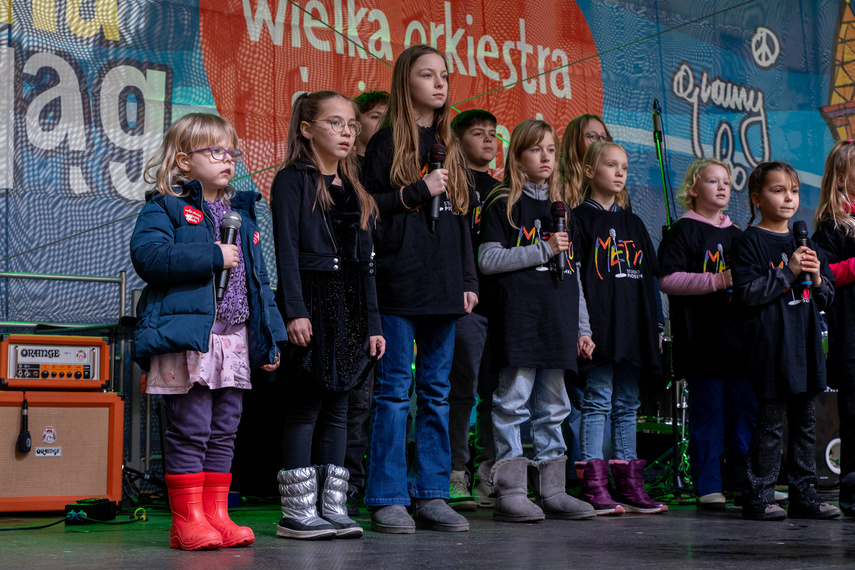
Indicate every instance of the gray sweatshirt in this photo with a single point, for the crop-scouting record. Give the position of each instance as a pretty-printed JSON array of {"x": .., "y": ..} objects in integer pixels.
[{"x": 493, "y": 258}]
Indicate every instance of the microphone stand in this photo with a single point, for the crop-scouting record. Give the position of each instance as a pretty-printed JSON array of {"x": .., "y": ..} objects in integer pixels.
[{"x": 659, "y": 143}]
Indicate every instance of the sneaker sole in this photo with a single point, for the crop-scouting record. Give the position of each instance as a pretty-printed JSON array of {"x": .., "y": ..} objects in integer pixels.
[
  {"x": 324, "y": 534},
  {"x": 465, "y": 505},
  {"x": 645, "y": 511}
]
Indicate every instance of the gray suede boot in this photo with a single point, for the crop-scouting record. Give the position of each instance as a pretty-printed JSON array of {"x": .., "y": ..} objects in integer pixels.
[
  {"x": 435, "y": 514},
  {"x": 548, "y": 479},
  {"x": 332, "y": 501},
  {"x": 299, "y": 491},
  {"x": 510, "y": 478},
  {"x": 392, "y": 519}
]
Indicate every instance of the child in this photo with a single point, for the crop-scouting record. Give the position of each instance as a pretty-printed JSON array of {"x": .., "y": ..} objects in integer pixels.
[
  {"x": 835, "y": 236},
  {"x": 371, "y": 107},
  {"x": 199, "y": 351},
  {"x": 782, "y": 344},
  {"x": 425, "y": 280},
  {"x": 694, "y": 258},
  {"x": 618, "y": 273},
  {"x": 537, "y": 328},
  {"x": 580, "y": 133},
  {"x": 321, "y": 219},
  {"x": 475, "y": 129}
]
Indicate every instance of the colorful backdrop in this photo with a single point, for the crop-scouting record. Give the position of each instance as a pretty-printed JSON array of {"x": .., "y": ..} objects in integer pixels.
[{"x": 87, "y": 88}]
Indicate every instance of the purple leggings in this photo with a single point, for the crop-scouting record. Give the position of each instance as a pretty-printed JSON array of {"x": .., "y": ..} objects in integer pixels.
[{"x": 202, "y": 428}]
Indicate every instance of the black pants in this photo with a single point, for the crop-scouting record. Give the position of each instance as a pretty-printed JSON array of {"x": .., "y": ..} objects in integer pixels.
[
  {"x": 315, "y": 416},
  {"x": 358, "y": 410},
  {"x": 846, "y": 411},
  {"x": 764, "y": 461}
]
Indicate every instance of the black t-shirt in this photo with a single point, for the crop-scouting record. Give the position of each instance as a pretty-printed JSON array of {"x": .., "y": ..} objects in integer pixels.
[
  {"x": 619, "y": 269},
  {"x": 419, "y": 272},
  {"x": 838, "y": 247},
  {"x": 781, "y": 335},
  {"x": 533, "y": 318},
  {"x": 704, "y": 327}
]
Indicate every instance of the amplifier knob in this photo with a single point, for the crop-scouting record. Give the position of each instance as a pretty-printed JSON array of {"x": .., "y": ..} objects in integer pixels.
[
  {"x": 78, "y": 374},
  {"x": 44, "y": 373}
]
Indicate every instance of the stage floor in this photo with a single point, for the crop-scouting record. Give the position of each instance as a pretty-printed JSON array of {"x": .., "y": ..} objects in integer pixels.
[{"x": 683, "y": 538}]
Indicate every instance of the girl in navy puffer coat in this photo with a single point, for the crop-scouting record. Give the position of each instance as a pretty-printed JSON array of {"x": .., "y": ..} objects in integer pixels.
[{"x": 199, "y": 346}]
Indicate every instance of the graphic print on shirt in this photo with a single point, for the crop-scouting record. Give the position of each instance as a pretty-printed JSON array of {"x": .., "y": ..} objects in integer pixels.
[
  {"x": 621, "y": 258},
  {"x": 534, "y": 235},
  {"x": 791, "y": 291},
  {"x": 715, "y": 262}
]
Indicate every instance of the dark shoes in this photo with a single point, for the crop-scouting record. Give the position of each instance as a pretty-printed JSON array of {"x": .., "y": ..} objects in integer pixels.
[
  {"x": 809, "y": 506},
  {"x": 771, "y": 512}
]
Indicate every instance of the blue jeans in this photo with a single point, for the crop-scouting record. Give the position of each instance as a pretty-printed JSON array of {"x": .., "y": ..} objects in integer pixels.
[
  {"x": 610, "y": 387},
  {"x": 388, "y": 482},
  {"x": 722, "y": 414},
  {"x": 549, "y": 406}
]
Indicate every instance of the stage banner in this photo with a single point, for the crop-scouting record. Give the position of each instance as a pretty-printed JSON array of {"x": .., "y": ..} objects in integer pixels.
[{"x": 88, "y": 87}]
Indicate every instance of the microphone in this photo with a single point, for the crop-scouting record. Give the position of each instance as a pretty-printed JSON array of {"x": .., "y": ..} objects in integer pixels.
[
  {"x": 25, "y": 442},
  {"x": 613, "y": 237},
  {"x": 437, "y": 159},
  {"x": 800, "y": 233},
  {"x": 229, "y": 232},
  {"x": 723, "y": 261},
  {"x": 657, "y": 120},
  {"x": 557, "y": 210}
]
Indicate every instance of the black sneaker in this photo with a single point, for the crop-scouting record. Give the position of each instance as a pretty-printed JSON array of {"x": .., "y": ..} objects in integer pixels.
[
  {"x": 771, "y": 512},
  {"x": 807, "y": 507}
]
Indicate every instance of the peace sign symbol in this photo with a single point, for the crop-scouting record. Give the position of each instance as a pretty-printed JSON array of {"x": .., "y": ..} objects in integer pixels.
[{"x": 765, "y": 47}]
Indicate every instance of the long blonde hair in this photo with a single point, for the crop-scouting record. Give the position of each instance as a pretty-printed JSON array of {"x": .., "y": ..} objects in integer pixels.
[
  {"x": 834, "y": 200},
  {"x": 573, "y": 149},
  {"x": 307, "y": 108},
  {"x": 401, "y": 117},
  {"x": 526, "y": 135},
  {"x": 190, "y": 132},
  {"x": 693, "y": 174},
  {"x": 592, "y": 159}
]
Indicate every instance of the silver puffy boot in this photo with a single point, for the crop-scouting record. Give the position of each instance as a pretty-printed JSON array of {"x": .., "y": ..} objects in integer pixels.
[
  {"x": 510, "y": 479},
  {"x": 548, "y": 478},
  {"x": 332, "y": 499},
  {"x": 299, "y": 491}
]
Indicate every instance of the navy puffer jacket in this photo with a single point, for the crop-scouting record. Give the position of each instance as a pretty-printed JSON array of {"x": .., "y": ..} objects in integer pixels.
[{"x": 173, "y": 251}]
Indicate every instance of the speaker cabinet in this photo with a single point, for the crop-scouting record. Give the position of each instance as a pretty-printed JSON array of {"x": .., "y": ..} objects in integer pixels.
[{"x": 76, "y": 449}]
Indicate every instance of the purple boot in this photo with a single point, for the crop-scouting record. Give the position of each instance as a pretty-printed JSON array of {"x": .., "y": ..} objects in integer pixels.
[
  {"x": 629, "y": 487},
  {"x": 594, "y": 478}
]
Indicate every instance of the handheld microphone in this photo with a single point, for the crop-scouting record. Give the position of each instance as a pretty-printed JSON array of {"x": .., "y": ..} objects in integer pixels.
[
  {"x": 557, "y": 210},
  {"x": 723, "y": 261},
  {"x": 437, "y": 159},
  {"x": 25, "y": 442},
  {"x": 229, "y": 232},
  {"x": 800, "y": 233}
]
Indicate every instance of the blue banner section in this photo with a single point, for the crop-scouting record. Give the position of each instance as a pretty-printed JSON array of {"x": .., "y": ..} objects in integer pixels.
[{"x": 88, "y": 88}]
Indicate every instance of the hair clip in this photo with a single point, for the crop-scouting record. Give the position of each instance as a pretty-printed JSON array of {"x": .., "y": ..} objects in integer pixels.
[{"x": 848, "y": 141}]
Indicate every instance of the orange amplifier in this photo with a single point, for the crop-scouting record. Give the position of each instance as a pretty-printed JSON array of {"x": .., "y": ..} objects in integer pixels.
[{"x": 54, "y": 362}]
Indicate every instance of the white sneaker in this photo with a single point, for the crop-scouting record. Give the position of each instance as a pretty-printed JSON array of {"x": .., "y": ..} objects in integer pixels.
[{"x": 712, "y": 502}]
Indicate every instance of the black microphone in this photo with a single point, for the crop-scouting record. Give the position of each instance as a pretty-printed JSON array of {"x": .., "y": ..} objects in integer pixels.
[
  {"x": 437, "y": 159},
  {"x": 25, "y": 442},
  {"x": 229, "y": 232},
  {"x": 657, "y": 119},
  {"x": 800, "y": 233},
  {"x": 557, "y": 210}
]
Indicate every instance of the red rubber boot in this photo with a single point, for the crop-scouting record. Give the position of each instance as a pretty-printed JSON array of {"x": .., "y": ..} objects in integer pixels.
[
  {"x": 215, "y": 499},
  {"x": 190, "y": 528}
]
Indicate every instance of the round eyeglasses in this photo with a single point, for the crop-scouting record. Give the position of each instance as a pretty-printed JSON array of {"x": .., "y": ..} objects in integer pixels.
[
  {"x": 219, "y": 153},
  {"x": 597, "y": 137},
  {"x": 337, "y": 125}
]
